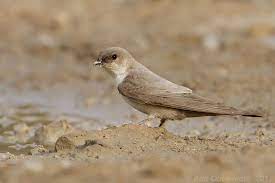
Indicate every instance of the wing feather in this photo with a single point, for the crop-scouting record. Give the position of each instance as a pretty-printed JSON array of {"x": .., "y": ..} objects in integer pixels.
[{"x": 154, "y": 93}]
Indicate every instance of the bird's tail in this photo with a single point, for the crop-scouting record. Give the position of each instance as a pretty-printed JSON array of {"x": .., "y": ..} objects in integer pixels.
[{"x": 252, "y": 113}]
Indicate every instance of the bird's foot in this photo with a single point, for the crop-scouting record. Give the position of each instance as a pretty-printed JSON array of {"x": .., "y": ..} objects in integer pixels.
[
  {"x": 162, "y": 122},
  {"x": 151, "y": 121}
]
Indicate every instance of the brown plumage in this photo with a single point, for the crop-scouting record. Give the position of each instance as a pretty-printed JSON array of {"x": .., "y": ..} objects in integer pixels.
[
  {"x": 156, "y": 96},
  {"x": 160, "y": 95}
]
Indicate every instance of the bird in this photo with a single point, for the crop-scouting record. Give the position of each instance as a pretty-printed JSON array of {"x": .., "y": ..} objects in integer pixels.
[{"x": 155, "y": 96}]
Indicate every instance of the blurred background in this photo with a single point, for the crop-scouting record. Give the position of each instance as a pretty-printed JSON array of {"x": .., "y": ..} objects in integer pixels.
[{"x": 224, "y": 50}]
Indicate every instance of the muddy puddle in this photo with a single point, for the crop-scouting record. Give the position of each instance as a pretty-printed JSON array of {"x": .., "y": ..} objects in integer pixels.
[{"x": 25, "y": 112}]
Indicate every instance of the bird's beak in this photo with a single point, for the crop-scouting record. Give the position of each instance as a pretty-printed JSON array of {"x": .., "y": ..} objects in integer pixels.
[{"x": 98, "y": 63}]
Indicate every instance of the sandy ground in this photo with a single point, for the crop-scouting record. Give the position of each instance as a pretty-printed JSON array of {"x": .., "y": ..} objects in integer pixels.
[{"x": 62, "y": 120}]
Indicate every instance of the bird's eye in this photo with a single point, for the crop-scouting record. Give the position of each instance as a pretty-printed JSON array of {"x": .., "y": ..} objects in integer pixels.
[{"x": 114, "y": 56}]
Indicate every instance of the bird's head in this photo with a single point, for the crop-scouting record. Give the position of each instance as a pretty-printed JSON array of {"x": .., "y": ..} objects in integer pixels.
[{"x": 115, "y": 61}]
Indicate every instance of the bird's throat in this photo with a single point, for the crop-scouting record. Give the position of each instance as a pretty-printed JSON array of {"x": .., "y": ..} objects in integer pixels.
[{"x": 120, "y": 77}]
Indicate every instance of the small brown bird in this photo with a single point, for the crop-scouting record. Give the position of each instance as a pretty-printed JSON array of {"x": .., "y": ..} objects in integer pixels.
[{"x": 154, "y": 95}]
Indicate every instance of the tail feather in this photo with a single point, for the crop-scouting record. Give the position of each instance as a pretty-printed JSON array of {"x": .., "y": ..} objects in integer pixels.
[
  {"x": 252, "y": 113},
  {"x": 235, "y": 112}
]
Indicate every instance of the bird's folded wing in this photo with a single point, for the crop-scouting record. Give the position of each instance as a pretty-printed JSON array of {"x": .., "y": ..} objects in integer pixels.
[{"x": 160, "y": 96}]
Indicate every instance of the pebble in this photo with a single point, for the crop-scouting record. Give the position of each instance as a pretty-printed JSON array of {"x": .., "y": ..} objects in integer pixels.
[
  {"x": 194, "y": 133},
  {"x": 38, "y": 150},
  {"x": 6, "y": 156},
  {"x": 48, "y": 134},
  {"x": 211, "y": 42}
]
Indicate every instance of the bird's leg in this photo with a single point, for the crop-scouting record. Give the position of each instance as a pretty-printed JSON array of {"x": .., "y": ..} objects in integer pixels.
[
  {"x": 162, "y": 121},
  {"x": 151, "y": 121}
]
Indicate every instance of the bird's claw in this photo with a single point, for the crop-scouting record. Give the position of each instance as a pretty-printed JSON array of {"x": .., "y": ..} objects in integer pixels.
[{"x": 151, "y": 122}]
